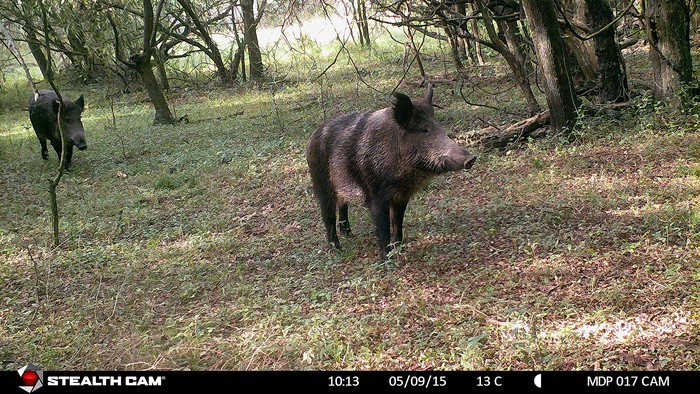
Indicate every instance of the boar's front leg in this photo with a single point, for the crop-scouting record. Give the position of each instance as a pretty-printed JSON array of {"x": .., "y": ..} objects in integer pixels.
[
  {"x": 57, "y": 147},
  {"x": 69, "y": 155},
  {"x": 343, "y": 220},
  {"x": 397, "y": 212},
  {"x": 379, "y": 208},
  {"x": 44, "y": 149}
]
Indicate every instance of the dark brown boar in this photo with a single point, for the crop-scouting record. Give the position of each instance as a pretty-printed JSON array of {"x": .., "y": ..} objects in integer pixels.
[
  {"x": 380, "y": 158},
  {"x": 43, "y": 113}
]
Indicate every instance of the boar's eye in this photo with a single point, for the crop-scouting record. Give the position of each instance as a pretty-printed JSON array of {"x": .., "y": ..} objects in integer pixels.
[{"x": 424, "y": 130}]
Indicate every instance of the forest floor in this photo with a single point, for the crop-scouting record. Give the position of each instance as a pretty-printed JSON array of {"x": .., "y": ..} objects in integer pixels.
[{"x": 200, "y": 246}]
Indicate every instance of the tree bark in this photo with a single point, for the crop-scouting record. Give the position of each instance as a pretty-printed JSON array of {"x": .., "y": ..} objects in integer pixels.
[
  {"x": 515, "y": 62},
  {"x": 35, "y": 48},
  {"x": 209, "y": 48},
  {"x": 668, "y": 33},
  {"x": 612, "y": 80},
  {"x": 582, "y": 52},
  {"x": 551, "y": 52},
  {"x": 364, "y": 22},
  {"x": 160, "y": 57},
  {"x": 250, "y": 36}
]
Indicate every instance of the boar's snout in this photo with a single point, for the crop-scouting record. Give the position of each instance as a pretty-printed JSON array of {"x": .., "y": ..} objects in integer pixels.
[
  {"x": 458, "y": 160},
  {"x": 78, "y": 142},
  {"x": 469, "y": 162}
]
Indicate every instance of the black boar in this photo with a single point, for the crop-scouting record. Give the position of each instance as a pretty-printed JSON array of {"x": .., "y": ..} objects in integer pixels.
[
  {"x": 43, "y": 114},
  {"x": 379, "y": 158}
]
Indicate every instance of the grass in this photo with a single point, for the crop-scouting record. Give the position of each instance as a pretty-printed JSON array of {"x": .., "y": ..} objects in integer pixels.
[{"x": 200, "y": 246}]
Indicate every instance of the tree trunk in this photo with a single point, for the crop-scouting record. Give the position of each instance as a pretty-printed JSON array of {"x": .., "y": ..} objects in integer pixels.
[
  {"x": 477, "y": 45},
  {"x": 35, "y": 48},
  {"x": 515, "y": 62},
  {"x": 582, "y": 52},
  {"x": 551, "y": 52},
  {"x": 163, "y": 114},
  {"x": 358, "y": 20},
  {"x": 612, "y": 80},
  {"x": 668, "y": 33},
  {"x": 364, "y": 23},
  {"x": 453, "y": 38},
  {"x": 250, "y": 36},
  {"x": 210, "y": 48},
  {"x": 159, "y": 57},
  {"x": 519, "y": 63},
  {"x": 695, "y": 14}
]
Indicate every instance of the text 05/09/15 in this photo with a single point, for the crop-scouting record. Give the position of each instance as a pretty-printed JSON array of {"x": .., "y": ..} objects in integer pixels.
[{"x": 417, "y": 381}]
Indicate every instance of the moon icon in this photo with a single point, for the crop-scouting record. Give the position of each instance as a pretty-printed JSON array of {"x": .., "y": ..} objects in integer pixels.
[{"x": 538, "y": 380}]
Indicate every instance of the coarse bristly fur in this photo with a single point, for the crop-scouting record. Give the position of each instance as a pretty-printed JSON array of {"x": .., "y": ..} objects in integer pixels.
[
  {"x": 380, "y": 158},
  {"x": 43, "y": 113}
]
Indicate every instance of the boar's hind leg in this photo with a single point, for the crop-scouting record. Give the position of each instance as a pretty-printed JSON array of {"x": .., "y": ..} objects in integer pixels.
[
  {"x": 328, "y": 215},
  {"x": 397, "y": 212},
  {"x": 344, "y": 222},
  {"x": 327, "y": 201}
]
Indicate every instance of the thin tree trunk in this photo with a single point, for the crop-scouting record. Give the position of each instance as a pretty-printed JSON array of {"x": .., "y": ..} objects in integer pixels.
[
  {"x": 163, "y": 114},
  {"x": 36, "y": 50},
  {"x": 210, "y": 47},
  {"x": 364, "y": 22},
  {"x": 477, "y": 45},
  {"x": 517, "y": 66},
  {"x": 250, "y": 36}
]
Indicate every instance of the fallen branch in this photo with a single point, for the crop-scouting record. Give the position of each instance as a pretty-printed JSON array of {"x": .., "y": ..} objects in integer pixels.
[{"x": 493, "y": 138}]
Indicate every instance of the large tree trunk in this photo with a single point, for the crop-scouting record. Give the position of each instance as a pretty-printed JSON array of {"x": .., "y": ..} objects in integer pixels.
[
  {"x": 613, "y": 79},
  {"x": 159, "y": 57},
  {"x": 250, "y": 36},
  {"x": 583, "y": 52},
  {"x": 668, "y": 33},
  {"x": 551, "y": 52}
]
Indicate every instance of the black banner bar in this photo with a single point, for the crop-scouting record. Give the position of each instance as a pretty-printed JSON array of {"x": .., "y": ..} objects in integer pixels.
[{"x": 154, "y": 382}]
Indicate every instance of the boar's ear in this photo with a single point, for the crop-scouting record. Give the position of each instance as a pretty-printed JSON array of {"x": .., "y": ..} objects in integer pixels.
[
  {"x": 429, "y": 94},
  {"x": 80, "y": 102},
  {"x": 403, "y": 108}
]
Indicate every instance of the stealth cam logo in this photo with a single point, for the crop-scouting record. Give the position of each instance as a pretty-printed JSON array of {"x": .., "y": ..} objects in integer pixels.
[{"x": 32, "y": 377}]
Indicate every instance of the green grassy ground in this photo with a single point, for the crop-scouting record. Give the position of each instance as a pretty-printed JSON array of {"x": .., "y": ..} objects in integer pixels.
[{"x": 200, "y": 246}]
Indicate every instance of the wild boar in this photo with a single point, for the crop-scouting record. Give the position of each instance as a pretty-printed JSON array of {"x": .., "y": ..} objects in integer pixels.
[
  {"x": 379, "y": 158},
  {"x": 43, "y": 113}
]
